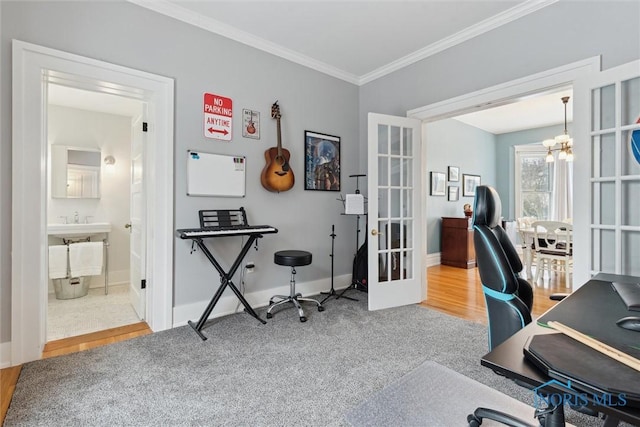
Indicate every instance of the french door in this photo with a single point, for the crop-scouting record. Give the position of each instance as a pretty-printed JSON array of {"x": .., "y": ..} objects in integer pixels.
[
  {"x": 607, "y": 180},
  {"x": 394, "y": 221}
]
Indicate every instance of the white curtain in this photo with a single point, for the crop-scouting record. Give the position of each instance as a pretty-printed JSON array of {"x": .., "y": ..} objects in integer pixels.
[{"x": 562, "y": 201}]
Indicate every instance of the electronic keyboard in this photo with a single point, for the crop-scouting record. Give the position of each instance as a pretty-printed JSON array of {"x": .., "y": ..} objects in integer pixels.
[{"x": 232, "y": 230}]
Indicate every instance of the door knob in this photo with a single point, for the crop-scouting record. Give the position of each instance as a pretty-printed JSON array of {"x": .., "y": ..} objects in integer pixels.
[
  {"x": 128, "y": 225},
  {"x": 375, "y": 232}
]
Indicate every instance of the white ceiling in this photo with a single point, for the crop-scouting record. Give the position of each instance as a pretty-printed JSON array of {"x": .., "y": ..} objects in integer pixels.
[
  {"x": 533, "y": 112},
  {"x": 357, "y": 41}
]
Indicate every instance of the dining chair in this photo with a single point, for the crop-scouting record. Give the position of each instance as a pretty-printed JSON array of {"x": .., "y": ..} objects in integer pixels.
[
  {"x": 526, "y": 245},
  {"x": 553, "y": 247}
]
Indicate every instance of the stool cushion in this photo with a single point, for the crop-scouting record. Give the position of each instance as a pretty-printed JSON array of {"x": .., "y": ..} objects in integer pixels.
[{"x": 292, "y": 258}]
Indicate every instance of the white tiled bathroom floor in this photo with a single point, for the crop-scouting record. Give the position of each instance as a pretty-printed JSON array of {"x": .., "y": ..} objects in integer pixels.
[{"x": 91, "y": 313}]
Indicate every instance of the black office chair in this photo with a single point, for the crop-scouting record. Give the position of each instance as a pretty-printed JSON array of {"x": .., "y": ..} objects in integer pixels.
[{"x": 508, "y": 297}]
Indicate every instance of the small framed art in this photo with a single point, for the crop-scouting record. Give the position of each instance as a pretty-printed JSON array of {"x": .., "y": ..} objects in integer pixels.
[
  {"x": 454, "y": 173},
  {"x": 469, "y": 184},
  {"x": 438, "y": 183},
  {"x": 453, "y": 193}
]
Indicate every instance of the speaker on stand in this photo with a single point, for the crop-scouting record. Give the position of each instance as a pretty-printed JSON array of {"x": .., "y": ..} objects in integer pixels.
[{"x": 354, "y": 205}]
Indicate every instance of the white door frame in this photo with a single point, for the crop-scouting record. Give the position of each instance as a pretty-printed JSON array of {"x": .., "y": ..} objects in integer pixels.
[
  {"x": 507, "y": 93},
  {"x": 29, "y": 270}
]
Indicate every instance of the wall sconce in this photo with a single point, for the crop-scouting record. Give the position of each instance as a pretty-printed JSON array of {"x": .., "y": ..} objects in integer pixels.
[{"x": 109, "y": 160}]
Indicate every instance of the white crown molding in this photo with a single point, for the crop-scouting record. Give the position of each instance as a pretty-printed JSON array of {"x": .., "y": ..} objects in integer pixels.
[
  {"x": 182, "y": 14},
  {"x": 480, "y": 28},
  {"x": 177, "y": 12}
]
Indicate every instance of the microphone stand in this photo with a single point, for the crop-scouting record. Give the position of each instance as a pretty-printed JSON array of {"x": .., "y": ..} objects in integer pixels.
[{"x": 332, "y": 292}]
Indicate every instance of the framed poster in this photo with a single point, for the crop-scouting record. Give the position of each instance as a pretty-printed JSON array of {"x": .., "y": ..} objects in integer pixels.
[{"x": 321, "y": 161}]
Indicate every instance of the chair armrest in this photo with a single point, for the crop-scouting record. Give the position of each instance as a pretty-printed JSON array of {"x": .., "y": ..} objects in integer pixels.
[{"x": 479, "y": 414}]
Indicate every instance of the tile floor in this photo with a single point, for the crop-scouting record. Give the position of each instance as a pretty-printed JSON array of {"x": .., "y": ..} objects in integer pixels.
[{"x": 91, "y": 313}]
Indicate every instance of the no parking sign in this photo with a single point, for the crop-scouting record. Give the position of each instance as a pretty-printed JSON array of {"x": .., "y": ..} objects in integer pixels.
[{"x": 218, "y": 117}]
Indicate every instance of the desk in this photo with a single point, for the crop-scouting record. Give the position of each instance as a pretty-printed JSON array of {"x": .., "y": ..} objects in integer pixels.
[{"x": 508, "y": 359}]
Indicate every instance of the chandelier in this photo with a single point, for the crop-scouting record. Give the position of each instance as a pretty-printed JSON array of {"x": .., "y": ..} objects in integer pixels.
[{"x": 565, "y": 141}]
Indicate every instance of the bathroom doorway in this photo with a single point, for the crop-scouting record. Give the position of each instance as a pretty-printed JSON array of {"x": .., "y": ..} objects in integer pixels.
[
  {"x": 92, "y": 122},
  {"x": 29, "y": 262}
]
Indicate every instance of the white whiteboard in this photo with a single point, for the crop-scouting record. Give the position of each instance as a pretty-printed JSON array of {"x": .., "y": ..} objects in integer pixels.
[{"x": 211, "y": 174}]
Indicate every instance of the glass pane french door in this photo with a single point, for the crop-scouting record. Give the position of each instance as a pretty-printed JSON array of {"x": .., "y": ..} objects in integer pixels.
[
  {"x": 394, "y": 212},
  {"x": 613, "y": 161}
]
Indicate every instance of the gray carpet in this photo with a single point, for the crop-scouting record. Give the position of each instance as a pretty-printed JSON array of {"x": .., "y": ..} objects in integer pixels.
[{"x": 284, "y": 373}]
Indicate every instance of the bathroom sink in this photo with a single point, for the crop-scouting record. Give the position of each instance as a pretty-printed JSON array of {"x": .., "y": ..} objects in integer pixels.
[{"x": 78, "y": 230}]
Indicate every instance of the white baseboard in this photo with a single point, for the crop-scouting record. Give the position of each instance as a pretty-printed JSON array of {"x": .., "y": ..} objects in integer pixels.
[
  {"x": 5, "y": 354},
  {"x": 433, "y": 259},
  {"x": 230, "y": 304}
]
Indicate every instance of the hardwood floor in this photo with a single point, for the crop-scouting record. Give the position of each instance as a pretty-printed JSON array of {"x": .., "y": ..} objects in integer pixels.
[
  {"x": 454, "y": 291},
  {"x": 458, "y": 291},
  {"x": 9, "y": 376}
]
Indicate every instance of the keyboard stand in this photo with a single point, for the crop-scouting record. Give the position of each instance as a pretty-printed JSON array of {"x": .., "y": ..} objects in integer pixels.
[{"x": 225, "y": 280}]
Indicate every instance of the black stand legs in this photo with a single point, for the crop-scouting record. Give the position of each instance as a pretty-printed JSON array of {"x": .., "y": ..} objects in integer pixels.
[
  {"x": 332, "y": 292},
  {"x": 355, "y": 283},
  {"x": 225, "y": 280}
]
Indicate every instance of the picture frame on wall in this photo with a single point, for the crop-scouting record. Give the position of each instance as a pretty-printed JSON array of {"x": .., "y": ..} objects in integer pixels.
[
  {"x": 469, "y": 184},
  {"x": 438, "y": 184},
  {"x": 321, "y": 161},
  {"x": 453, "y": 173},
  {"x": 250, "y": 124},
  {"x": 453, "y": 193}
]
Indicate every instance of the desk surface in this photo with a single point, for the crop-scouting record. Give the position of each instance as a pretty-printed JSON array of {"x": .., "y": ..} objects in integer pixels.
[{"x": 508, "y": 358}]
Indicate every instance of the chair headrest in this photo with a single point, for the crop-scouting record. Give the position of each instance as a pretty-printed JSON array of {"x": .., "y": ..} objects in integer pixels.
[{"x": 488, "y": 208}]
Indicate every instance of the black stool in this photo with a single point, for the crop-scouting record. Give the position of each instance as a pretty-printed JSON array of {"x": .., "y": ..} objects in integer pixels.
[{"x": 293, "y": 259}]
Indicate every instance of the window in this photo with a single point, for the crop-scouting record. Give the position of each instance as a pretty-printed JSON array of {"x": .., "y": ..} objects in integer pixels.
[{"x": 534, "y": 182}]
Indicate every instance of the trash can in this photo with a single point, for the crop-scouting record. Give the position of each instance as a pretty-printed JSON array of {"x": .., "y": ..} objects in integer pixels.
[{"x": 69, "y": 288}]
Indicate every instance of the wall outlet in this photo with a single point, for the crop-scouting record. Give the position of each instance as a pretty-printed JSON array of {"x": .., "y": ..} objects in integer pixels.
[{"x": 250, "y": 266}]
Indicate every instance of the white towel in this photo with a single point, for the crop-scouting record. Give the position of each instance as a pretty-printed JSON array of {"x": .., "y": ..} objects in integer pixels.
[
  {"x": 85, "y": 259},
  {"x": 58, "y": 261}
]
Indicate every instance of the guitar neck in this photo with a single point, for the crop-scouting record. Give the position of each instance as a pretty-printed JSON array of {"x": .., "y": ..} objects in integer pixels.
[{"x": 279, "y": 137}]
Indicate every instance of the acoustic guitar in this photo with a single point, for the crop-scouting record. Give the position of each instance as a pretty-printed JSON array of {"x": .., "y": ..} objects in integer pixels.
[{"x": 277, "y": 175}]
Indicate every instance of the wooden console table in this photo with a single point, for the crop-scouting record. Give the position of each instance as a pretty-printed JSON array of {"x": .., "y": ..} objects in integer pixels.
[{"x": 457, "y": 248}]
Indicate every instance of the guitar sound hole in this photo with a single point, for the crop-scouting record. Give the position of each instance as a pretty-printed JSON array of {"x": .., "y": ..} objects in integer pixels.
[{"x": 282, "y": 162}]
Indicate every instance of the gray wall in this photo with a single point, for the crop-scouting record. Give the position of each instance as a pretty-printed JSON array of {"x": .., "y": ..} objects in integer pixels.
[
  {"x": 199, "y": 61},
  {"x": 565, "y": 32},
  {"x": 473, "y": 151}
]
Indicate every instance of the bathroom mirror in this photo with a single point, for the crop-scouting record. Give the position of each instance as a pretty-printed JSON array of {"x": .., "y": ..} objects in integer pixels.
[{"x": 75, "y": 172}]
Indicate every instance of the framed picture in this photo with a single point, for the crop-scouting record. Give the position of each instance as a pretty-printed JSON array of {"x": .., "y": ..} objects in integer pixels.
[
  {"x": 438, "y": 183},
  {"x": 469, "y": 184},
  {"x": 250, "y": 124},
  {"x": 321, "y": 161},
  {"x": 454, "y": 193},
  {"x": 454, "y": 173}
]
